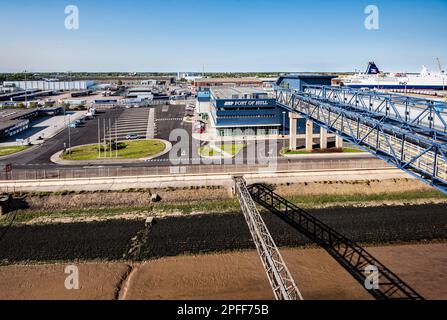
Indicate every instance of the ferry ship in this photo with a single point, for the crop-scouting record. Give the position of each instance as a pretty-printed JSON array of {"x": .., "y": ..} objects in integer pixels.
[{"x": 373, "y": 78}]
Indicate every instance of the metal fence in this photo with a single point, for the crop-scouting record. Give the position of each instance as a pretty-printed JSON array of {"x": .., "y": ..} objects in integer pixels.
[{"x": 106, "y": 172}]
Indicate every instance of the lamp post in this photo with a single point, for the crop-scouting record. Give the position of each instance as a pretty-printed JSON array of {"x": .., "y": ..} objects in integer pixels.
[
  {"x": 69, "y": 134},
  {"x": 26, "y": 91},
  {"x": 283, "y": 124}
]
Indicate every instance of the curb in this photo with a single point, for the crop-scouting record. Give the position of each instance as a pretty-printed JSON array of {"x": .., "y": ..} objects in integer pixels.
[{"x": 328, "y": 155}]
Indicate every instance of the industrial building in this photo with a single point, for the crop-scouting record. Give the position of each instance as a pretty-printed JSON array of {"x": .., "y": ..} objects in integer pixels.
[
  {"x": 53, "y": 85},
  {"x": 14, "y": 121},
  {"x": 230, "y": 82},
  {"x": 300, "y": 81}
]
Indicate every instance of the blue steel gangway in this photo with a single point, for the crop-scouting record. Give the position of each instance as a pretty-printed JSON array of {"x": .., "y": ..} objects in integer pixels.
[
  {"x": 279, "y": 276},
  {"x": 346, "y": 252},
  {"x": 409, "y": 133}
]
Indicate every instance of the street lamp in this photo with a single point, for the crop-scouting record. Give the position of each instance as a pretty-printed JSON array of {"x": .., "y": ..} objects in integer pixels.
[
  {"x": 26, "y": 91},
  {"x": 69, "y": 134},
  {"x": 283, "y": 124}
]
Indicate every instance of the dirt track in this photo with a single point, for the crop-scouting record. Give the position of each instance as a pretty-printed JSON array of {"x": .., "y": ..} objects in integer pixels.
[{"x": 237, "y": 275}]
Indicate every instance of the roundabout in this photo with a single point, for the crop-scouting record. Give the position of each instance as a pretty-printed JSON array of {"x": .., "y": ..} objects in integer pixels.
[{"x": 120, "y": 152}]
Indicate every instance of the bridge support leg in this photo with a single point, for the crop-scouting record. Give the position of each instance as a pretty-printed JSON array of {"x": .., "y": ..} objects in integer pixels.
[
  {"x": 323, "y": 138},
  {"x": 309, "y": 135},
  {"x": 293, "y": 128},
  {"x": 338, "y": 142}
]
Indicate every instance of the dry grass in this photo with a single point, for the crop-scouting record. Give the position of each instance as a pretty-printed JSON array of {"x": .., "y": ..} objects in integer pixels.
[{"x": 364, "y": 187}]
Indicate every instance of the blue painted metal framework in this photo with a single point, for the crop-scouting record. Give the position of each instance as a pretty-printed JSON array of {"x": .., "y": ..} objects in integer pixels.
[
  {"x": 407, "y": 132},
  {"x": 349, "y": 254},
  {"x": 420, "y": 115}
]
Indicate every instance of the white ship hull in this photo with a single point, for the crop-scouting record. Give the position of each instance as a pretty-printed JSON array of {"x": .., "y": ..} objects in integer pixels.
[
  {"x": 417, "y": 82},
  {"x": 373, "y": 78}
]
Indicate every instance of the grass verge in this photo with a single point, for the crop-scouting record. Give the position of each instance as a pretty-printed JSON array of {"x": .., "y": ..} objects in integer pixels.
[
  {"x": 231, "y": 149},
  {"x": 222, "y": 206},
  {"x": 287, "y": 151},
  {"x": 6, "y": 151}
]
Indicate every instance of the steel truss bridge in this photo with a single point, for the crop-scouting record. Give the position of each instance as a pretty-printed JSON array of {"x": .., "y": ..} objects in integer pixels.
[
  {"x": 281, "y": 281},
  {"x": 348, "y": 254},
  {"x": 409, "y": 133}
]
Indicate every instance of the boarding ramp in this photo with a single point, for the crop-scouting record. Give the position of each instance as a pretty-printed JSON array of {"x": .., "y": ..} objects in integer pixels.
[
  {"x": 406, "y": 132},
  {"x": 281, "y": 281}
]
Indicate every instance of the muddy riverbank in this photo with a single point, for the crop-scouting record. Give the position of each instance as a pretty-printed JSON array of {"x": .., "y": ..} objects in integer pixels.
[{"x": 196, "y": 234}]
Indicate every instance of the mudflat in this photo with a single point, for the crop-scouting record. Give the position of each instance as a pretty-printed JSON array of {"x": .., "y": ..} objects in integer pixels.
[{"x": 232, "y": 275}]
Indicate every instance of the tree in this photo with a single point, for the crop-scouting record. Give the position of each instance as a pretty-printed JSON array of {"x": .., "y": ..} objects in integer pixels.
[
  {"x": 33, "y": 105},
  {"x": 120, "y": 82}
]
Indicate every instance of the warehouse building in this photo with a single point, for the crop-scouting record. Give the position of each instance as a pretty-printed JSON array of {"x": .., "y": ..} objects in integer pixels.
[
  {"x": 14, "y": 121},
  {"x": 51, "y": 85},
  {"x": 300, "y": 81},
  {"x": 229, "y": 82}
]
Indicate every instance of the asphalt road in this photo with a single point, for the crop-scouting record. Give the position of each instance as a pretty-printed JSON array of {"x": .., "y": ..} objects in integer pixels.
[
  {"x": 85, "y": 134},
  {"x": 167, "y": 119}
]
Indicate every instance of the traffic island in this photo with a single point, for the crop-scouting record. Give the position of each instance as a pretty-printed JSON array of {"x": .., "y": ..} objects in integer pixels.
[
  {"x": 119, "y": 152},
  {"x": 222, "y": 151}
]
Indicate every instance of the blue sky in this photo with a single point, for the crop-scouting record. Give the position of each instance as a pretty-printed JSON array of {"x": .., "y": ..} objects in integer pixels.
[{"x": 222, "y": 35}]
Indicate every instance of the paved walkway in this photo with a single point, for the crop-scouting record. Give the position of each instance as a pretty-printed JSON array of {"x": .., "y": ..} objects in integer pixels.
[
  {"x": 151, "y": 125},
  {"x": 212, "y": 179}
]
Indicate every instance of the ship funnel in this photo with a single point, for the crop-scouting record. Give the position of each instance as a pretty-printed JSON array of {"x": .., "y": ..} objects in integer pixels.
[{"x": 372, "y": 68}]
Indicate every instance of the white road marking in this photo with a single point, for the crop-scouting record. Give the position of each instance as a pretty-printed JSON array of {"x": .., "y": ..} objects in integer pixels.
[{"x": 150, "y": 134}]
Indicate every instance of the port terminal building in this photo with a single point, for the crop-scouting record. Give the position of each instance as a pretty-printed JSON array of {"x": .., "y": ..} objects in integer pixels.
[
  {"x": 253, "y": 111},
  {"x": 239, "y": 111}
]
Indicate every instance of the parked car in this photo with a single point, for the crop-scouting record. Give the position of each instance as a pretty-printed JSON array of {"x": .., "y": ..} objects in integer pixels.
[
  {"x": 133, "y": 136},
  {"x": 73, "y": 125}
]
